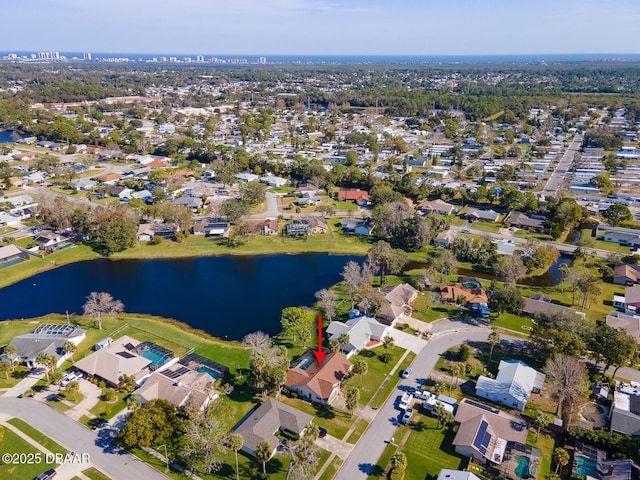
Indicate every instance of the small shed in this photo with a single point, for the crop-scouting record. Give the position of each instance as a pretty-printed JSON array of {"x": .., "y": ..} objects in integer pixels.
[{"x": 105, "y": 342}]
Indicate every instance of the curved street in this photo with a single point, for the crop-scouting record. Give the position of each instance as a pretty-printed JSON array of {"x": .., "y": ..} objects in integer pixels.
[{"x": 115, "y": 462}]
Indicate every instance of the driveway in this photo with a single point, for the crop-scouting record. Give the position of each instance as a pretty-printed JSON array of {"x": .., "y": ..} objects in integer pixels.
[
  {"x": 115, "y": 462},
  {"x": 369, "y": 448}
]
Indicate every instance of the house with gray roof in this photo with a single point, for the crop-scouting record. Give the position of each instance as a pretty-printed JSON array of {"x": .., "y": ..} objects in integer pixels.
[
  {"x": 363, "y": 331},
  {"x": 47, "y": 338},
  {"x": 520, "y": 220},
  {"x": 262, "y": 424},
  {"x": 512, "y": 386},
  {"x": 630, "y": 324},
  {"x": 541, "y": 305},
  {"x": 625, "y": 411},
  {"x": 485, "y": 215}
]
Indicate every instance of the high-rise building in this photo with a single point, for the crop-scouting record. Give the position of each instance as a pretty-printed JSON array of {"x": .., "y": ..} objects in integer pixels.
[
  {"x": 86, "y": 56},
  {"x": 200, "y": 58},
  {"x": 262, "y": 60}
]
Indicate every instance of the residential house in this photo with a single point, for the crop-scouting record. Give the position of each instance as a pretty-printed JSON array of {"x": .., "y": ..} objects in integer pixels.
[
  {"x": 454, "y": 292},
  {"x": 520, "y": 220},
  {"x": 512, "y": 386},
  {"x": 193, "y": 203},
  {"x": 622, "y": 238},
  {"x": 307, "y": 198},
  {"x": 446, "y": 474},
  {"x": 541, "y": 305},
  {"x": 263, "y": 423},
  {"x": 399, "y": 300},
  {"x": 274, "y": 181},
  {"x": 445, "y": 239},
  {"x": 247, "y": 177},
  {"x": 355, "y": 226},
  {"x": 354, "y": 195},
  {"x": 363, "y": 331},
  {"x": 484, "y": 215},
  {"x": 25, "y": 156},
  {"x": 484, "y": 432},
  {"x": 268, "y": 227},
  {"x": 309, "y": 226},
  {"x": 180, "y": 386},
  {"x": 84, "y": 184},
  {"x": 624, "y": 274},
  {"x": 306, "y": 188},
  {"x": 632, "y": 298},
  {"x": 211, "y": 229},
  {"x": 11, "y": 254},
  {"x": 144, "y": 195},
  {"x": 50, "y": 241},
  {"x": 146, "y": 231},
  {"x": 436, "y": 206},
  {"x": 630, "y": 324},
  {"x": 318, "y": 383},
  {"x": 625, "y": 411},
  {"x": 115, "y": 360},
  {"x": 47, "y": 338}
]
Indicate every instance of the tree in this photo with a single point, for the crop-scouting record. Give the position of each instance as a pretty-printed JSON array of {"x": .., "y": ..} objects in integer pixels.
[
  {"x": 510, "y": 269},
  {"x": 257, "y": 340},
  {"x": 133, "y": 402},
  {"x": 444, "y": 416},
  {"x": 263, "y": 454},
  {"x": 617, "y": 213},
  {"x": 353, "y": 397},
  {"x": 456, "y": 369},
  {"x": 72, "y": 389},
  {"x": 463, "y": 352},
  {"x": 541, "y": 420},
  {"x": 561, "y": 459},
  {"x": 494, "y": 340},
  {"x": 567, "y": 377},
  {"x": 205, "y": 434},
  {"x": 361, "y": 368},
  {"x": 398, "y": 466},
  {"x": 444, "y": 262},
  {"x": 47, "y": 360},
  {"x": 328, "y": 301},
  {"x": 388, "y": 343},
  {"x": 304, "y": 459},
  {"x": 11, "y": 351},
  {"x": 235, "y": 442},
  {"x": 312, "y": 432},
  {"x": 69, "y": 348},
  {"x": 385, "y": 259},
  {"x": 101, "y": 304},
  {"x": 356, "y": 278},
  {"x": 154, "y": 423},
  {"x": 372, "y": 300},
  {"x": 5, "y": 366},
  {"x": 507, "y": 298},
  {"x": 603, "y": 182},
  {"x": 334, "y": 346},
  {"x": 113, "y": 229}
]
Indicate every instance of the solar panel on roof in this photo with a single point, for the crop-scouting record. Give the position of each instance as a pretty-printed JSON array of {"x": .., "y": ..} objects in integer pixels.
[
  {"x": 125, "y": 354},
  {"x": 483, "y": 406},
  {"x": 129, "y": 346},
  {"x": 483, "y": 438}
]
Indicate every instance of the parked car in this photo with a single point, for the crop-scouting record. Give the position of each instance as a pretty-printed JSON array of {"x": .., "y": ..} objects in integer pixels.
[
  {"x": 405, "y": 373},
  {"x": 406, "y": 418},
  {"x": 46, "y": 475},
  {"x": 70, "y": 377},
  {"x": 323, "y": 432},
  {"x": 405, "y": 401}
]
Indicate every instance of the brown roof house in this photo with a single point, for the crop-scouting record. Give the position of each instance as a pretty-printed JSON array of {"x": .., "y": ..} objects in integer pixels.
[
  {"x": 113, "y": 361},
  {"x": 436, "y": 206},
  {"x": 624, "y": 274},
  {"x": 318, "y": 383},
  {"x": 264, "y": 422},
  {"x": 454, "y": 291},
  {"x": 358, "y": 196},
  {"x": 626, "y": 323},
  {"x": 484, "y": 432},
  {"x": 180, "y": 386},
  {"x": 399, "y": 299}
]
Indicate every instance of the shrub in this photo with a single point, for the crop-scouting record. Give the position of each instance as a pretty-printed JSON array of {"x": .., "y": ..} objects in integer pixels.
[
  {"x": 108, "y": 395},
  {"x": 463, "y": 352},
  {"x": 386, "y": 357},
  {"x": 156, "y": 240}
]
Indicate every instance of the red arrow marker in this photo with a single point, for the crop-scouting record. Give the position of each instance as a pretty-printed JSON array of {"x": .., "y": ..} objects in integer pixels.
[{"x": 320, "y": 353}]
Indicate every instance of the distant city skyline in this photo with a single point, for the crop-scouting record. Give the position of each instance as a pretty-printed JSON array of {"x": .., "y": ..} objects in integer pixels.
[{"x": 323, "y": 27}]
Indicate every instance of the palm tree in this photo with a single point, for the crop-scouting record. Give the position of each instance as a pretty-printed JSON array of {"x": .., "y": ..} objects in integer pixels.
[
  {"x": 456, "y": 369},
  {"x": 72, "y": 389},
  {"x": 69, "y": 348},
  {"x": 353, "y": 397},
  {"x": 263, "y": 454},
  {"x": 541, "y": 420},
  {"x": 344, "y": 339},
  {"x": 48, "y": 361},
  {"x": 5, "y": 366},
  {"x": 388, "y": 343},
  {"x": 334, "y": 346},
  {"x": 361, "y": 368},
  {"x": 494, "y": 339},
  {"x": 561, "y": 457},
  {"x": 312, "y": 432},
  {"x": 11, "y": 351},
  {"x": 399, "y": 462},
  {"x": 235, "y": 443}
]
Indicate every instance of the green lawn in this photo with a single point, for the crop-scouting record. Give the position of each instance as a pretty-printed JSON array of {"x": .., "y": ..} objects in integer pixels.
[
  {"x": 357, "y": 433},
  {"x": 390, "y": 449},
  {"x": 545, "y": 444},
  {"x": 436, "y": 310},
  {"x": 335, "y": 421},
  {"x": 12, "y": 443},
  {"x": 19, "y": 372},
  {"x": 377, "y": 371},
  {"x": 390, "y": 386},
  {"x": 107, "y": 410},
  {"x": 486, "y": 226},
  {"x": 95, "y": 474},
  {"x": 39, "y": 437},
  {"x": 429, "y": 449},
  {"x": 332, "y": 469},
  {"x": 513, "y": 322}
]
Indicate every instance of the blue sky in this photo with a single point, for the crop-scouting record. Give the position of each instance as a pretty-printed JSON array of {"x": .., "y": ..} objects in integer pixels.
[{"x": 316, "y": 27}]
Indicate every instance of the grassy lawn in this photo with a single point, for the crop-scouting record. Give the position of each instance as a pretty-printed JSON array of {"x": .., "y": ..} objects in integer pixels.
[
  {"x": 390, "y": 449},
  {"x": 107, "y": 410},
  {"x": 390, "y": 386},
  {"x": 332, "y": 469},
  {"x": 157, "y": 464},
  {"x": 486, "y": 226},
  {"x": 12, "y": 443},
  {"x": 95, "y": 474},
  {"x": 357, "y": 433},
  {"x": 513, "y": 322},
  {"x": 545, "y": 444},
  {"x": 602, "y": 245},
  {"x": 18, "y": 373},
  {"x": 429, "y": 449},
  {"x": 435, "y": 311},
  {"x": 335, "y": 421},
  {"x": 376, "y": 374},
  {"x": 342, "y": 206},
  {"x": 39, "y": 437}
]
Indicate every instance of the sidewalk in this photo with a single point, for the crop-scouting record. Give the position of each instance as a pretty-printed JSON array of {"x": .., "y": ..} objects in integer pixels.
[{"x": 25, "y": 384}]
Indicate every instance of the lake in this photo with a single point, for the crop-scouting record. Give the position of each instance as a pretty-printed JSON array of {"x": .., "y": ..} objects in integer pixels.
[
  {"x": 227, "y": 297},
  {"x": 8, "y": 136}
]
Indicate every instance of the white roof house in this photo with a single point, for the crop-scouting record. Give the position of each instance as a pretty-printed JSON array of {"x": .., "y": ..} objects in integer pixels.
[
  {"x": 512, "y": 386},
  {"x": 456, "y": 475},
  {"x": 363, "y": 331}
]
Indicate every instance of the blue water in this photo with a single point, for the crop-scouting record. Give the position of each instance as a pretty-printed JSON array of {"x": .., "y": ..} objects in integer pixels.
[
  {"x": 6, "y": 136},
  {"x": 11, "y": 262},
  {"x": 227, "y": 297},
  {"x": 395, "y": 59},
  {"x": 157, "y": 358},
  {"x": 306, "y": 364},
  {"x": 522, "y": 470},
  {"x": 585, "y": 466},
  {"x": 210, "y": 371}
]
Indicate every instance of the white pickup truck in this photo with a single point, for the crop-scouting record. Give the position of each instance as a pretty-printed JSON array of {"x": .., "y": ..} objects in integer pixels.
[{"x": 405, "y": 401}]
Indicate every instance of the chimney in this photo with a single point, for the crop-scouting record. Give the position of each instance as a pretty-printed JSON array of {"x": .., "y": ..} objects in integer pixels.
[{"x": 611, "y": 469}]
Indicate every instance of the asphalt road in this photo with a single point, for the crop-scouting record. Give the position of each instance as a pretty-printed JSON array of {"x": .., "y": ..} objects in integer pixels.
[
  {"x": 115, "y": 462},
  {"x": 555, "y": 181},
  {"x": 371, "y": 445}
]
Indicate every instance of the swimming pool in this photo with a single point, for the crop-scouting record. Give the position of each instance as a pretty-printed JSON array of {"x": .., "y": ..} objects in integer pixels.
[
  {"x": 522, "y": 469},
  {"x": 11, "y": 262},
  {"x": 210, "y": 371},
  {"x": 305, "y": 364},
  {"x": 157, "y": 358},
  {"x": 585, "y": 466}
]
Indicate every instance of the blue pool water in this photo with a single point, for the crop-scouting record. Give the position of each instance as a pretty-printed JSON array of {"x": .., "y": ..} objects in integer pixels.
[
  {"x": 306, "y": 364},
  {"x": 11, "y": 262},
  {"x": 522, "y": 470},
  {"x": 157, "y": 358},
  {"x": 585, "y": 466},
  {"x": 210, "y": 371}
]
